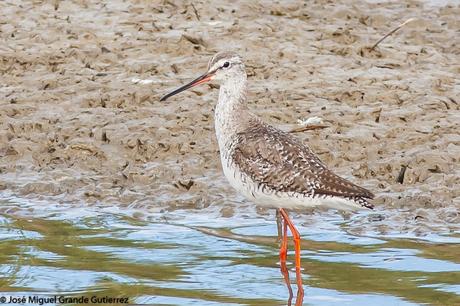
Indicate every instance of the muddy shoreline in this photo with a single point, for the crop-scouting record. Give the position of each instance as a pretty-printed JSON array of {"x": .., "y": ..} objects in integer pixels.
[{"x": 77, "y": 128}]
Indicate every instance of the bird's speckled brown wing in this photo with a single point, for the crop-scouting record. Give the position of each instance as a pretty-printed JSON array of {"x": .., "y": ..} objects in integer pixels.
[{"x": 278, "y": 161}]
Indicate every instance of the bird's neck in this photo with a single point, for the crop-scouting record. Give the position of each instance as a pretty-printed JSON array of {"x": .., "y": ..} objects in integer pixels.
[{"x": 231, "y": 110}]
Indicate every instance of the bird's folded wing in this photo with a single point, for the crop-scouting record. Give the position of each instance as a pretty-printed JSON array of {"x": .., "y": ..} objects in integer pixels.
[{"x": 280, "y": 162}]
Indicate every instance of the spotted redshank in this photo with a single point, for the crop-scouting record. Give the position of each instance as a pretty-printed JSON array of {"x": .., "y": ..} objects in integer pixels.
[{"x": 270, "y": 167}]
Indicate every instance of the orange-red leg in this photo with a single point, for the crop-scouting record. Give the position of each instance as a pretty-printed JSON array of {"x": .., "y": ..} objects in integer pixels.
[
  {"x": 296, "y": 236},
  {"x": 285, "y": 272},
  {"x": 299, "y": 299},
  {"x": 282, "y": 237},
  {"x": 284, "y": 244}
]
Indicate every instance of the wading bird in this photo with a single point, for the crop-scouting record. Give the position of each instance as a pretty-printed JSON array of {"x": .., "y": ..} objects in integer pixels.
[{"x": 267, "y": 165}]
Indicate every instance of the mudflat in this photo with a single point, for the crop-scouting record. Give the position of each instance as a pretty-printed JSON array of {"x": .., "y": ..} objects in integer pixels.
[{"x": 81, "y": 122}]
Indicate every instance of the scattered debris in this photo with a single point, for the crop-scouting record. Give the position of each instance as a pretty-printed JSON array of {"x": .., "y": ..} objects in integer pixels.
[
  {"x": 391, "y": 32},
  {"x": 312, "y": 123},
  {"x": 307, "y": 128},
  {"x": 140, "y": 81},
  {"x": 377, "y": 114},
  {"x": 195, "y": 11},
  {"x": 401, "y": 174},
  {"x": 195, "y": 40},
  {"x": 185, "y": 185}
]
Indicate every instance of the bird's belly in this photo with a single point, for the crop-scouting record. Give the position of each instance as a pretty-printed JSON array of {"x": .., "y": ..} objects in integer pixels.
[{"x": 264, "y": 196}]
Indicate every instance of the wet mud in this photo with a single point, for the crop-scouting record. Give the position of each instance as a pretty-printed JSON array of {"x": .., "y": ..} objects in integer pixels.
[{"x": 81, "y": 122}]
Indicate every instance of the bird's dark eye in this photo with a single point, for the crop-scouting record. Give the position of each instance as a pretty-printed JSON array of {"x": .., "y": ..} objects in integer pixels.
[{"x": 226, "y": 65}]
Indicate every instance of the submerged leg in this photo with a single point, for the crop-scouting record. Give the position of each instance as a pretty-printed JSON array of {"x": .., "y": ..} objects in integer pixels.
[
  {"x": 284, "y": 244},
  {"x": 300, "y": 293},
  {"x": 279, "y": 224},
  {"x": 296, "y": 237},
  {"x": 282, "y": 237},
  {"x": 285, "y": 272}
]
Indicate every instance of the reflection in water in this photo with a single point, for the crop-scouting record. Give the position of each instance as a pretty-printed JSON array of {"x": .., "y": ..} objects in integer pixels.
[
  {"x": 300, "y": 292},
  {"x": 168, "y": 264}
]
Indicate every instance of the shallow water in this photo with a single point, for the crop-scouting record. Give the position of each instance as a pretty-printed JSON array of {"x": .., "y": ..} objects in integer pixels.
[{"x": 197, "y": 260}]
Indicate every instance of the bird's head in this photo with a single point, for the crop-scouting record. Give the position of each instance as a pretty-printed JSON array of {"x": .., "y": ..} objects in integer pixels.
[{"x": 223, "y": 67}]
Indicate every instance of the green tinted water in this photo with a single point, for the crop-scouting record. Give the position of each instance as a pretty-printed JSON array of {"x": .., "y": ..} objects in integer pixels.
[{"x": 171, "y": 263}]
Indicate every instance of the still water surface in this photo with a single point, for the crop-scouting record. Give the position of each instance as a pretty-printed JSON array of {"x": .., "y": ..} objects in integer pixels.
[{"x": 198, "y": 260}]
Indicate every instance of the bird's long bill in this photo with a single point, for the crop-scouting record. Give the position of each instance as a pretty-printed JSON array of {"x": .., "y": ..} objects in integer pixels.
[{"x": 202, "y": 79}]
